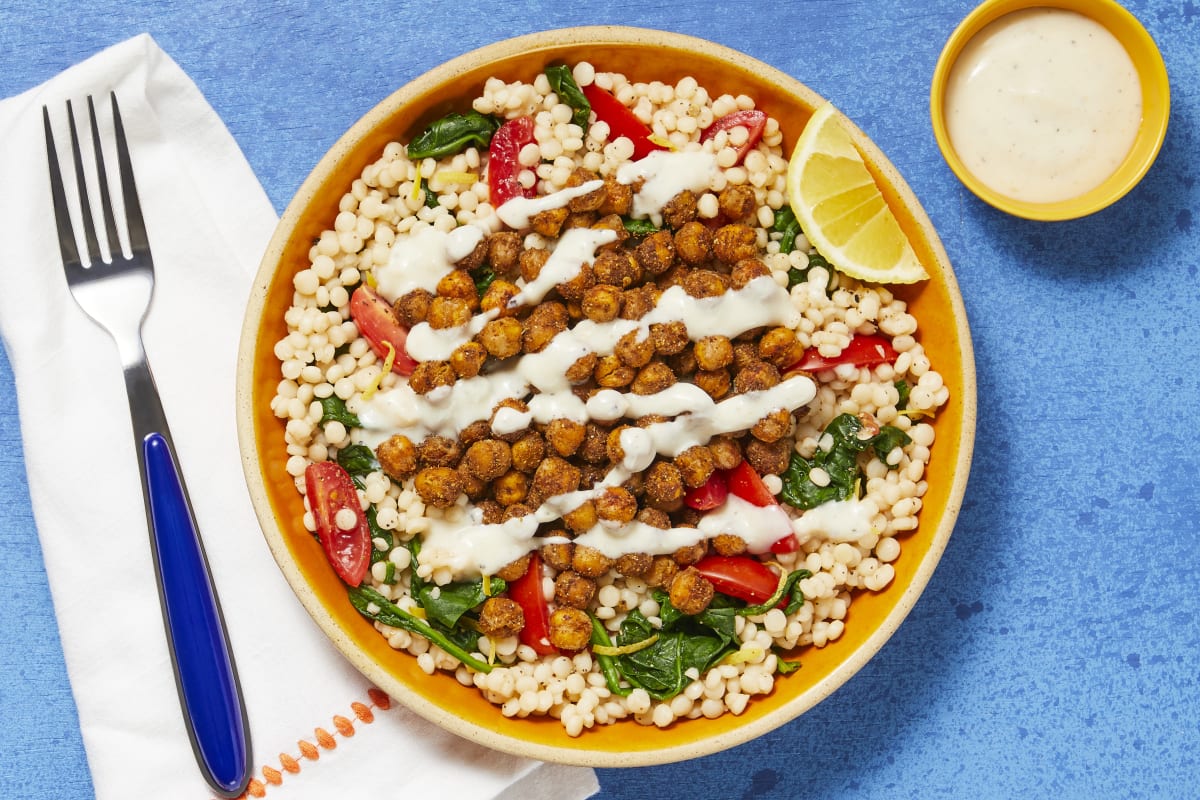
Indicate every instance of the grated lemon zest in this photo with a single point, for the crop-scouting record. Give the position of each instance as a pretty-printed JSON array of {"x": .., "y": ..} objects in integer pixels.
[
  {"x": 371, "y": 280},
  {"x": 487, "y": 585},
  {"x": 625, "y": 649},
  {"x": 416, "y": 190},
  {"x": 448, "y": 176},
  {"x": 491, "y": 656},
  {"x": 369, "y": 392},
  {"x": 417, "y": 611},
  {"x": 912, "y": 413},
  {"x": 662, "y": 141},
  {"x": 748, "y": 653}
]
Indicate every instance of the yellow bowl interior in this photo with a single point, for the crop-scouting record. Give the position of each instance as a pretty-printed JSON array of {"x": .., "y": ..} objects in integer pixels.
[
  {"x": 1156, "y": 106},
  {"x": 640, "y": 54}
]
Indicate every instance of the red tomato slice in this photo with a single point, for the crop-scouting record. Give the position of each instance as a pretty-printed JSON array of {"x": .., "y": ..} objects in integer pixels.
[
  {"x": 503, "y": 161},
  {"x": 864, "y": 350},
  {"x": 742, "y": 577},
  {"x": 329, "y": 490},
  {"x": 620, "y": 120},
  {"x": 709, "y": 496},
  {"x": 744, "y": 482},
  {"x": 788, "y": 544},
  {"x": 377, "y": 322},
  {"x": 752, "y": 120},
  {"x": 528, "y": 593}
]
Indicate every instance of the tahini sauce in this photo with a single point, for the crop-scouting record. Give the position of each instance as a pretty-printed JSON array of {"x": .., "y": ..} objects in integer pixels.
[{"x": 1043, "y": 105}]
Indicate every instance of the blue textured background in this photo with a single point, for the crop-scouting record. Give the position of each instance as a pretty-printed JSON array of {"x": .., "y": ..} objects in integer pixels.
[{"x": 1054, "y": 652}]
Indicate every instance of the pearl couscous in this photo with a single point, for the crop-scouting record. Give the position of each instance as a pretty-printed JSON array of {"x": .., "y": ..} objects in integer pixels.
[{"x": 581, "y": 418}]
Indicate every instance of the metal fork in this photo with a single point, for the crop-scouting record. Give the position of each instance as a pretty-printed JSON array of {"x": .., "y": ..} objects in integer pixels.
[{"x": 116, "y": 294}]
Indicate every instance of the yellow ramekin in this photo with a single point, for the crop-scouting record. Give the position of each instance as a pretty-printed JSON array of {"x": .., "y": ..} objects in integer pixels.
[{"x": 1156, "y": 106}]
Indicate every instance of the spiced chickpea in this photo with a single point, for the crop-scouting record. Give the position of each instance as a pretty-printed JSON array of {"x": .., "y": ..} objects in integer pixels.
[
  {"x": 477, "y": 431},
  {"x": 504, "y": 250},
  {"x": 468, "y": 358},
  {"x": 557, "y": 555},
  {"x": 663, "y": 486},
  {"x": 527, "y": 452},
  {"x": 683, "y": 362},
  {"x": 594, "y": 449},
  {"x": 574, "y": 590},
  {"x": 616, "y": 268},
  {"x": 618, "y": 198},
  {"x": 669, "y": 338},
  {"x": 577, "y": 287},
  {"x": 516, "y": 511},
  {"x": 690, "y": 591},
  {"x": 756, "y": 377},
  {"x": 633, "y": 564},
  {"x": 656, "y": 253},
  {"x": 564, "y": 436},
  {"x": 530, "y": 263},
  {"x": 680, "y": 209},
  {"x": 737, "y": 202},
  {"x": 673, "y": 276},
  {"x": 472, "y": 487},
  {"x": 549, "y": 223},
  {"x": 634, "y": 350},
  {"x": 461, "y": 286},
  {"x": 695, "y": 466},
  {"x": 542, "y": 326},
  {"x": 744, "y": 353},
  {"x": 500, "y": 618},
  {"x": 570, "y": 629},
  {"x": 610, "y": 373},
  {"x": 514, "y": 569},
  {"x": 726, "y": 452},
  {"x": 582, "y": 517},
  {"x": 768, "y": 458},
  {"x": 715, "y": 382},
  {"x": 732, "y": 243},
  {"x": 700, "y": 283},
  {"x": 714, "y": 352},
  {"x": 780, "y": 347},
  {"x": 690, "y": 554},
  {"x": 601, "y": 303},
  {"x": 662, "y": 571},
  {"x": 638, "y": 302},
  {"x": 726, "y": 544},
  {"x": 497, "y": 297},
  {"x": 516, "y": 405},
  {"x": 773, "y": 426},
  {"x": 593, "y": 199},
  {"x": 448, "y": 312},
  {"x": 492, "y": 514},
  {"x": 474, "y": 259},
  {"x": 412, "y": 308},
  {"x": 747, "y": 270},
  {"x": 653, "y": 378},
  {"x": 616, "y": 504},
  {"x": 694, "y": 244},
  {"x": 502, "y": 337},
  {"x": 438, "y": 486},
  {"x": 429, "y": 375},
  {"x": 511, "y": 487},
  {"x": 488, "y": 460},
  {"x": 554, "y": 476},
  {"x": 582, "y": 369},
  {"x": 397, "y": 456},
  {"x": 439, "y": 451},
  {"x": 590, "y": 562}
]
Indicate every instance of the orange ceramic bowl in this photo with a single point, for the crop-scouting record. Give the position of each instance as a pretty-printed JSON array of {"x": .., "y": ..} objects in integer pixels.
[{"x": 640, "y": 54}]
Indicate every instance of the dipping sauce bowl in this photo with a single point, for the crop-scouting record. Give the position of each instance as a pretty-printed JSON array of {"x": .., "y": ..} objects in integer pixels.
[{"x": 1050, "y": 109}]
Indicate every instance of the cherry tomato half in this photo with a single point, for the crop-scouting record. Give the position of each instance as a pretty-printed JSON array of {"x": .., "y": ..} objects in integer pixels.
[
  {"x": 744, "y": 482},
  {"x": 742, "y": 577},
  {"x": 378, "y": 324},
  {"x": 330, "y": 490},
  {"x": 753, "y": 120},
  {"x": 620, "y": 120},
  {"x": 504, "y": 166},
  {"x": 709, "y": 496},
  {"x": 864, "y": 350},
  {"x": 527, "y": 592}
]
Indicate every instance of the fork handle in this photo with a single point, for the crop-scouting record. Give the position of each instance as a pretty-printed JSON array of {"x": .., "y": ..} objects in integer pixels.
[{"x": 205, "y": 674}]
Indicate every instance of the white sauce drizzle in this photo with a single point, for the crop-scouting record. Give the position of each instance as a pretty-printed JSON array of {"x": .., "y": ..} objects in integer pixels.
[
  {"x": 666, "y": 173},
  {"x": 836, "y": 521}
]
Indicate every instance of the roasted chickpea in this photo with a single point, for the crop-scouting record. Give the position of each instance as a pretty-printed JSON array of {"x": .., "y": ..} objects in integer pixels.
[
  {"x": 477, "y": 431},
  {"x": 774, "y": 426},
  {"x": 747, "y": 270},
  {"x": 397, "y": 456},
  {"x": 557, "y": 555},
  {"x": 574, "y": 590},
  {"x": 756, "y": 377},
  {"x": 653, "y": 378},
  {"x": 582, "y": 517},
  {"x": 656, "y": 254},
  {"x": 616, "y": 504},
  {"x": 448, "y": 312},
  {"x": 582, "y": 369},
  {"x": 633, "y": 564},
  {"x": 701, "y": 283},
  {"x": 690, "y": 591},
  {"x": 429, "y": 375},
  {"x": 549, "y": 223},
  {"x": 616, "y": 268},
  {"x": 593, "y": 199},
  {"x": 669, "y": 338},
  {"x": 690, "y": 554},
  {"x": 438, "y": 486},
  {"x": 590, "y": 562},
  {"x": 594, "y": 449},
  {"x": 610, "y": 373},
  {"x": 554, "y": 476},
  {"x": 514, "y": 569},
  {"x": 502, "y": 337},
  {"x": 634, "y": 350},
  {"x": 737, "y": 202},
  {"x": 726, "y": 544},
  {"x": 500, "y": 618},
  {"x": 601, "y": 303},
  {"x": 531, "y": 263},
  {"x": 413, "y": 307},
  {"x": 732, "y": 243},
  {"x": 493, "y": 514},
  {"x": 497, "y": 297},
  {"x": 694, "y": 244},
  {"x": 680, "y": 209},
  {"x": 504, "y": 249},
  {"x": 695, "y": 466},
  {"x": 570, "y": 629},
  {"x": 768, "y": 458},
  {"x": 565, "y": 436},
  {"x": 638, "y": 302},
  {"x": 528, "y": 451},
  {"x": 467, "y": 359},
  {"x": 511, "y": 487},
  {"x": 725, "y": 451},
  {"x": 618, "y": 198},
  {"x": 439, "y": 451},
  {"x": 716, "y": 382},
  {"x": 662, "y": 571},
  {"x": 461, "y": 286},
  {"x": 488, "y": 460},
  {"x": 663, "y": 486},
  {"x": 476, "y": 258},
  {"x": 779, "y": 346},
  {"x": 577, "y": 287},
  {"x": 714, "y": 352},
  {"x": 515, "y": 405}
]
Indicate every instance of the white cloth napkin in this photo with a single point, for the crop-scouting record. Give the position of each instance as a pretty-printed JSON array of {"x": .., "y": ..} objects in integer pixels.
[{"x": 318, "y": 728}]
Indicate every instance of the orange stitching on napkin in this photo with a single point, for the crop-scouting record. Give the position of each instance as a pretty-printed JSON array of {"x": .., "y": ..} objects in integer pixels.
[{"x": 323, "y": 740}]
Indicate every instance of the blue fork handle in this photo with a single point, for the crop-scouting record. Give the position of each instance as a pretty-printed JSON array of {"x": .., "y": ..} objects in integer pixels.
[{"x": 205, "y": 674}]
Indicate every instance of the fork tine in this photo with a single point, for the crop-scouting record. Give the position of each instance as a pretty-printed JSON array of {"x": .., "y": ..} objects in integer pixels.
[
  {"x": 62, "y": 216},
  {"x": 110, "y": 224},
  {"x": 138, "y": 243},
  {"x": 89, "y": 226}
]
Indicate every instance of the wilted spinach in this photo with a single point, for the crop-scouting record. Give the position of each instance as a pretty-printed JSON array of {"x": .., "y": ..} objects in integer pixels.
[
  {"x": 447, "y": 604},
  {"x": 840, "y": 462},
  {"x": 372, "y": 605},
  {"x": 333, "y": 409},
  {"x": 358, "y": 460},
  {"x": 568, "y": 91},
  {"x": 454, "y": 133},
  {"x": 639, "y": 227}
]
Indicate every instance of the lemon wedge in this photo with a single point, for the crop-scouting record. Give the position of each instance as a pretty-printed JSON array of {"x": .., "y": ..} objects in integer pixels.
[{"x": 841, "y": 209}]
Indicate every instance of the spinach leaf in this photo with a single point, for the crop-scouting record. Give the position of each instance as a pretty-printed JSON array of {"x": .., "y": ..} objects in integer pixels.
[
  {"x": 683, "y": 644},
  {"x": 358, "y": 460},
  {"x": 785, "y": 667},
  {"x": 787, "y": 225},
  {"x": 333, "y": 408},
  {"x": 639, "y": 227},
  {"x": 377, "y": 532},
  {"x": 840, "y": 462},
  {"x": 608, "y": 664},
  {"x": 431, "y": 198},
  {"x": 563, "y": 84},
  {"x": 363, "y": 598},
  {"x": 454, "y": 133},
  {"x": 483, "y": 279},
  {"x": 903, "y": 389},
  {"x": 447, "y": 604}
]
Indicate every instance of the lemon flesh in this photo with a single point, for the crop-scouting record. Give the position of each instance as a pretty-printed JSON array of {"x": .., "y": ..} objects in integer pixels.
[{"x": 842, "y": 211}]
